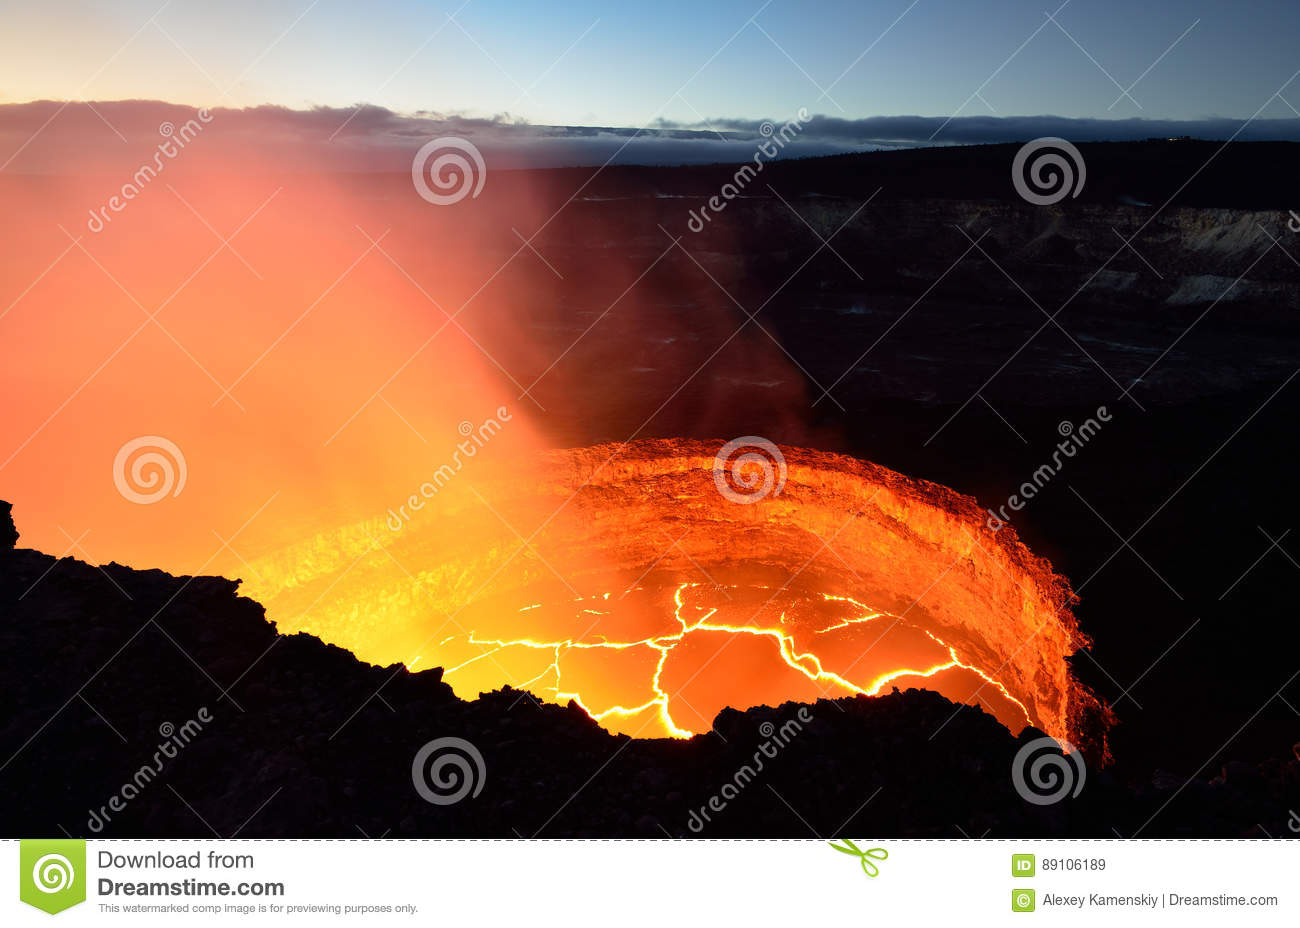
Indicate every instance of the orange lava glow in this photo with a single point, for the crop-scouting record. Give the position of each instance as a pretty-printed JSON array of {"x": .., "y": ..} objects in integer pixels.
[
  {"x": 619, "y": 578},
  {"x": 782, "y": 646},
  {"x": 322, "y": 349}
]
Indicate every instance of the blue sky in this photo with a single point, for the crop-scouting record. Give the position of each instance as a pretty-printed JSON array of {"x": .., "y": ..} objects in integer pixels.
[{"x": 626, "y": 64}]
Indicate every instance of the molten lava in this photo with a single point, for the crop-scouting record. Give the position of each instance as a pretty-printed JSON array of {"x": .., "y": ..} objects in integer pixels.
[
  {"x": 780, "y": 635},
  {"x": 621, "y": 578}
]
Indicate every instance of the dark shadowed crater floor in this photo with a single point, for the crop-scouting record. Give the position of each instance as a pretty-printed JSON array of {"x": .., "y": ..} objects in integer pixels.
[{"x": 304, "y": 740}]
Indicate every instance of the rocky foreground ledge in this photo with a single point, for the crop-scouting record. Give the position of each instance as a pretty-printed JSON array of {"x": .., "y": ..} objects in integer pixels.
[{"x": 138, "y": 704}]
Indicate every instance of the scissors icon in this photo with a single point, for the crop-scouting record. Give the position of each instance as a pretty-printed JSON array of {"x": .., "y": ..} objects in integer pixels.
[
  {"x": 868, "y": 867},
  {"x": 1294, "y": 224}
]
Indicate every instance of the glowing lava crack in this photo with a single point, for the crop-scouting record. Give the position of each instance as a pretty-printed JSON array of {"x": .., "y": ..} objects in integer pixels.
[
  {"x": 782, "y": 640},
  {"x": 620, "y": 578}
]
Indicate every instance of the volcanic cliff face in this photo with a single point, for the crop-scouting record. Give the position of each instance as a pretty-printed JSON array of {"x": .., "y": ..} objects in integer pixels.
[
  {"x": 937, "y": 273},
  {"x": 649, "y": 556},
  {"x": 303, "y": 740},
  {"x": 1192, "y": 254}
]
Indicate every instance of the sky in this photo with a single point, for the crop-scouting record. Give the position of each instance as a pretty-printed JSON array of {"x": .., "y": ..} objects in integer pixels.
[
  {"x": 633, "y": 64},
  {"x": 268, "y": 365}
]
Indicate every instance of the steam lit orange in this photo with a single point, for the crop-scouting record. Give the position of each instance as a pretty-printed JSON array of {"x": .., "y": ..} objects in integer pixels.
[{"x": 320, "y": 348}]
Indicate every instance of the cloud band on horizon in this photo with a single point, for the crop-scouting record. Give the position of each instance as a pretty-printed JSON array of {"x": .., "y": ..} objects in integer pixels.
[{"x": 49, "y": 137}]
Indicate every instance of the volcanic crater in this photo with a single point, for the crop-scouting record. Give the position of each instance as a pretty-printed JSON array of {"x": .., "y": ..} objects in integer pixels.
[{"x": 656, "y": 583}]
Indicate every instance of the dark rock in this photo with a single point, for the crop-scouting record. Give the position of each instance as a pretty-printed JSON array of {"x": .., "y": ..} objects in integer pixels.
[
  {"x": 1164, "y": 781},
  {"x": 648, "y": 825},
  {"x": 8, "y": 534},
  {"x": 313, "y": 754},
  {"x": 1237, "y": 773}
]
